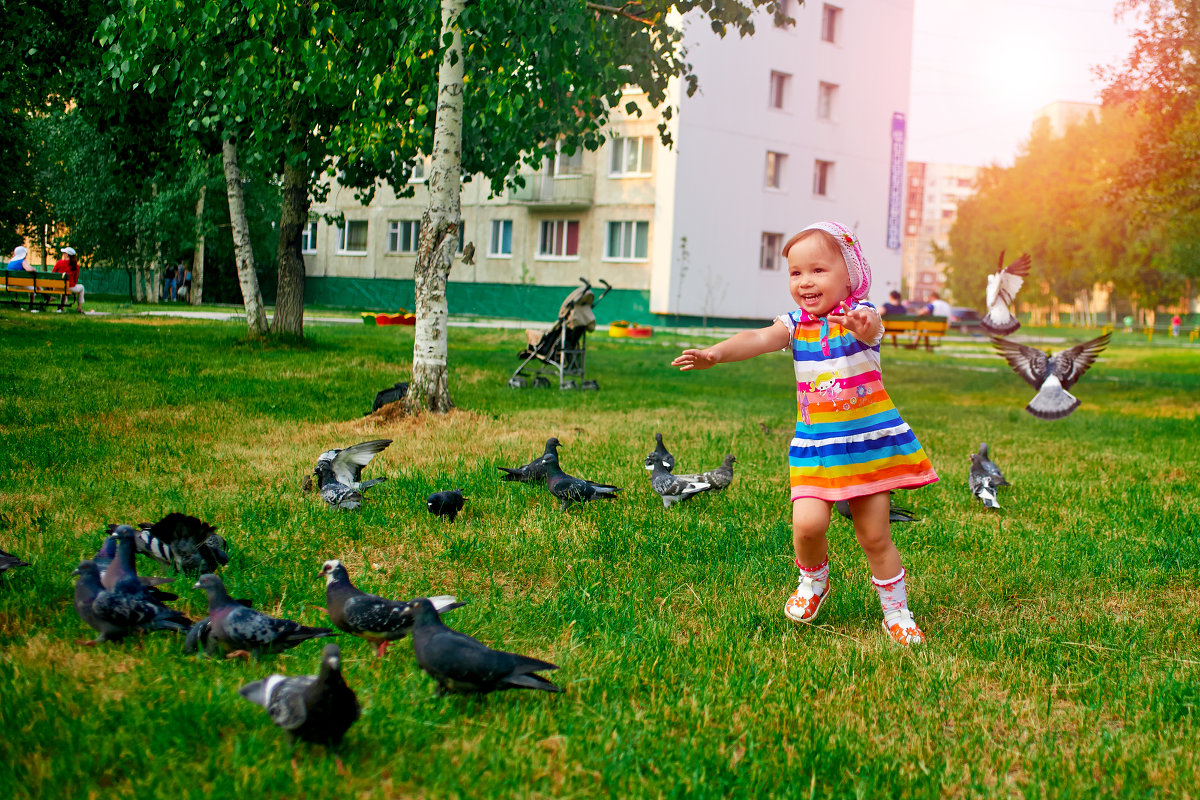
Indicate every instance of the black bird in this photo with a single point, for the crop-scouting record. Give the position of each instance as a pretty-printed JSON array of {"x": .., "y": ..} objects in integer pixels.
[
  {"x": 126, "y": 609},
  {"x": 235, "y": 630},
  {"x": 1002, "y": 288},
  {"x": 661, "y": 453},
  {"x": 989, "y": 467},
  {"x": 672, "y": 488},
  {"x": 1051, "y": 375},
  {"x": 9, "y": 561},
  {"x": 718, "y": 478},
  {"x": 184, "y": 542},
  {"x": 376, "y": 619},
  {"x": 338, "y": 474},
  {"x": 463, "y": 665},
  {"x": 318, "y": 709},
  {"x": 895, "y": 512},
  {"x": 981, "y": 484},
  {"x": 445, "y": 504},
  {"x": 570, "y": 489},
  {"x": 535, "y": 470}
]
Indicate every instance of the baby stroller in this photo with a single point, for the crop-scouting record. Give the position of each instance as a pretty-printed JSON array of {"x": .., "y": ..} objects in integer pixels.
[{"x": 562, "y": 348}]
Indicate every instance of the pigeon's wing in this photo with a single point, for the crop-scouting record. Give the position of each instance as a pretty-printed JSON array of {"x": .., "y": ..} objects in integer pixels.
[
  {"x": 287, "y": 705},
  {"x": 337, "y": 494},
  {"x": 1070, "y": 364},
  {"x": 1028, "y": 362},
  {"x": 463, "y": 659},
  {"x": 348, "y": 464},
  {"x": 1009, "y": 280},
  {"x": 372, "y": 614},
  {"x": 244, "y": 628}
]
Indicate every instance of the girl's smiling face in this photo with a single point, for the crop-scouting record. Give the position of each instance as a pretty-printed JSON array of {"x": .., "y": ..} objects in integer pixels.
[{"x": 817, "y": 276}]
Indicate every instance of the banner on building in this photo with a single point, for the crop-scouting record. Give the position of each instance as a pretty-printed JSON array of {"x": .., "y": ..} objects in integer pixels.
[{"x": 896, "y": 182}]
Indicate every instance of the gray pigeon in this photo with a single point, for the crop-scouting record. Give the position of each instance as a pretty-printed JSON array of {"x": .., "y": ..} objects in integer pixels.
[
  {"x": 672, "y": 488},
  {"x": 338, "y": 474},
  {"x": 445, "y": 504},
  {"x": 128, "y": 608},
  {"x": 108, "y": 552},
  {"x": 717, "y": 477},
  {"x": 895, "y": 512},
  {"x": 182, "y": 541},
  {"x": 1001, "y": 290},
  {"x": 463, "y": 665},
  {"x": 235, "y": 630},
  {"x": 535, "y": 470},
  {"x": 570, "y": 489},
  {"x": 376, "y": 619},
  {"x": 1051, "y": 375},
  {"x": 982, "y": 484},
  {"x": 318, "y": 709},
  {"x": 123, "y": 563},
  {"x": 989, "y": 467},
  {"x": 9, "y": 561},
  {"x": 661, "y": 453}
]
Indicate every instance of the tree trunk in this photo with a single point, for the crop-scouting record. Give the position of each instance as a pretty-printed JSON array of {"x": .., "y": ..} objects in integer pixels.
[
  {"x": 429, "y": 388},
  {"x": 243, "y": 253},
  {"x": 293, "y": 216},
  {"x": 196, "y": 290}
]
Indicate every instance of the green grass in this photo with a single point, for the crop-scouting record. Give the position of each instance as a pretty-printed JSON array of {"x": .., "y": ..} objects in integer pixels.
[{"x": 1064, "y": 631}]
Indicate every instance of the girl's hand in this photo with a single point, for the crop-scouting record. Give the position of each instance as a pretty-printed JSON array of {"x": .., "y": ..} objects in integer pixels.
[
  {"x": 861, "y": 322},
  {"x": 695, "y": 359}
]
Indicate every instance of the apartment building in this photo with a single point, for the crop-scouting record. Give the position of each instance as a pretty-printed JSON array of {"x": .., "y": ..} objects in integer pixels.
[{"x": 933, "y": 192}]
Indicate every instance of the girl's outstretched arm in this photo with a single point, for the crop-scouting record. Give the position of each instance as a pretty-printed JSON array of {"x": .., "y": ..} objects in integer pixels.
[{"x": 738, "y": 347}]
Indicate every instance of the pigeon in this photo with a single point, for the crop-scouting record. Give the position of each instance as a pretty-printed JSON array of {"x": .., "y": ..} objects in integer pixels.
[
  {"x": 989, "y": 467},
  {"x": 235, "y": 630},
  {"x": 895, "y": 512},
  {"x": 445, "y": 504},
  {"x": 661, "y": 453},
  {"x": 181, "y": 541},
  {"x": 1001, "y": 289},
  {"x": 122, "y": 563},
  {"x": 9, "y": 561},
  {"x": 535, "y": 470},
  {"x": 338, "y": 473},
  {"x": 128, "y": 608},
  {"x": 570, "y": 489},
  {"x": 1051, "y": 375},
  {"x": 463, "y": 665},
  {"x": 108, "y": 551},
  {"x": 318, "y": 709},
  {"x": 376, "y": 619},
  {"x": 982, "y": 485},
  {"x": 720, "y": 477},
  {"x": 672, "y": 488}
]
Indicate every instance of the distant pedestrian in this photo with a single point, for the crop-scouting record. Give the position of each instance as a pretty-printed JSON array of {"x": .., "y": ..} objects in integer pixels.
[
  {"x": 183, "y": 280},
  {"x": 69, "y": 265},
  {"x": 1176, "y": 322},
  {"x": 169, "y": 283}
]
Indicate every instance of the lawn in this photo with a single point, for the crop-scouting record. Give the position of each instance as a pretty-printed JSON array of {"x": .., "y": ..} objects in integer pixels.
[{"x": 1064, "y": 631}]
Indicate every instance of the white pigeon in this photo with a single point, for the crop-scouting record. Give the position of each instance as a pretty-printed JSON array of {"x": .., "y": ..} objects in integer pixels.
[
  {"x": 339, "y": 471},
  {"x": 1051, "y": 375},
  {"x": 672, "y": 488},
  {"x": 1002, "y": 288}
]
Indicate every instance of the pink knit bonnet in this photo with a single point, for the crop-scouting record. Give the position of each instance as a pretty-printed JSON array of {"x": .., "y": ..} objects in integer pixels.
[{"x": 856, "y": 263}]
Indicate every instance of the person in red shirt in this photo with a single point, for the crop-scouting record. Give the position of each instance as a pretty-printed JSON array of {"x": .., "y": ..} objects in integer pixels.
[{"x": 69, "y": 264}]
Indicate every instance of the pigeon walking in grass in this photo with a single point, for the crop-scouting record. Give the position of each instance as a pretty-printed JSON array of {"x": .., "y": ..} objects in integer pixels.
[
  {"x": 463, "y": 665},
  {"x": 535, "y": 470},
  {"x": 672, "y": 488},
  {"x": 339, "y": 474},
  {"x": 720, "y": 477},
  {"x": 661, "y": 453},
  {"x": 445, "y": 504},
  {"x": 1002, "y": 289},
  {"x": 9, "y": 561},
  {"x": 318, "y": 709},
  {"x": 570, "y": 489},
  {"x": 989, "y": 467},
  {"x": 981, "y": 484},
  {"x": 181, "y": 541},
  {"x": 235, "y": 630},
  {"x": 108, "y": 553},
  {"x": 1051, "y": 375},
  {"x": 128, "y": 608},
  {"x": 895, "y": 512},
  {"x": 122, "y": 564},
  {"x": 378, "y": 620}
]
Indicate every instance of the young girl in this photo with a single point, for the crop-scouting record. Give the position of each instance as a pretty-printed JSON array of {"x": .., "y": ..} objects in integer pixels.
[{"x": 850, "y": 442}]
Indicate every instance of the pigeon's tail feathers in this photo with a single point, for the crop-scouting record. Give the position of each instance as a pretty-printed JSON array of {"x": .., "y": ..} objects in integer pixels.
[
  {"x": 304, "y": 633},
  {"x": 606, "y": 488},
  {"x": 989, "y": 498},
  {"x": 898, "y": 514},
  {"x": 1052, "y": 401},
  {"x": 511, "y": 474},
  {"x": 529, "y": 680},
  {"x": 362, "y": 487},
  {"x": 445, "y": 602},
  {"x": 170, "y": 621},
  {"x": 197, "y": 635},
  {"x": 999, "y": 322}
]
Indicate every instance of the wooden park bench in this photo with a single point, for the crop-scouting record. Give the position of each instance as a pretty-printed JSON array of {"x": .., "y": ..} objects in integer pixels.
[
  {"x": 18, "y": 285},
  {"x": 916, "y": 329}
]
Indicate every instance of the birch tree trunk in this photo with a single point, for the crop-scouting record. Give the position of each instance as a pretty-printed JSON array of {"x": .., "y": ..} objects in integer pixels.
[
  {"x": 293, "y": 216},
  {"x": 243, "y": 253},
  {"x": 196, "y": 290},
  {"x": 429, "y": 388}
]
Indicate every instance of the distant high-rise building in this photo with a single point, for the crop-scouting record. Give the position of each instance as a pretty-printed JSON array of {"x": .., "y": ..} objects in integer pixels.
[
  {"x": 932, "y": 195},
  {"x": 1063, "y": 114}
]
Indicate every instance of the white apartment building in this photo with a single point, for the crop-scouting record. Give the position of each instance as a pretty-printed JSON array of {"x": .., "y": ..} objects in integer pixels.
[{"x": 789, "y": 126}]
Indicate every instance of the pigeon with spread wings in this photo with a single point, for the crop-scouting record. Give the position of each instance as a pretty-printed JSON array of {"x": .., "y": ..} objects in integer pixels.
[
  {"x": 1002, "y": 288},
  {"x": 339, "y": 474},
  {"x": 1050, "y": 374}
]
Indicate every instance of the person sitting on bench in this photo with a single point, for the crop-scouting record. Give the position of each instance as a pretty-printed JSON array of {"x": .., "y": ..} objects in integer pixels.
[{"x": 69, "y": 265}]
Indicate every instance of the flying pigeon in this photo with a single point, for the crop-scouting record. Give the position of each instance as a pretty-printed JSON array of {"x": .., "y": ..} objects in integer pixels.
[
  {"x": 1051, "y": 375},
  {"x": 982, "y": 485},
  {"x": 989, "y": 467},
  {"x": 181, "y": 541},
  {"x": 234, "y": 630},
  {"x": 672, "y": 488},
  {"x": 661, "y": 453},
  {"x": 463, "y": 665},
  {"x": 128, "y": 608},
  {"x": 338, "y": 473},
  {"x": 535, "y": 470},
  {"x": 9, "y": 561},
  {"x": 570, "y": 489},
  {"x": 445, "y": 504},
  {"x": 895, "y": 512},
  {"x": 318, "y": 709},
  {"x": 1002, "y": 287},
  {"x": 376, "y": 619}
]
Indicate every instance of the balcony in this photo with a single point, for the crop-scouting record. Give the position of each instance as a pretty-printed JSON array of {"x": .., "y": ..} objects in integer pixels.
[{"x": 551, "y": 192}]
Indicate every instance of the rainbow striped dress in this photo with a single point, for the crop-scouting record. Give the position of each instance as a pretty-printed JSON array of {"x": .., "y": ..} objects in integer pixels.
[{"x": 850, "y": 440}]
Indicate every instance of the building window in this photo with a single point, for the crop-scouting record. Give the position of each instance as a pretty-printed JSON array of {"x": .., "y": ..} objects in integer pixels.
[
  {"x": 915, "y": 181},
  {"x": 501, "y": 242},
  {"x": 403, "y": 235},
  {"x": 775, "y": 164},
  {"x": 627, "y": 241},
  {"x": 418, "y": 172},
  {"x": 308, "y": 238},
  {"x": 783, "y": 8},
  {"x": 563, "y": 165},
  {"x": 928, "y": 277},
  {"x": 352, "y": 237},
  {"x": 779, "y": 86},
  {"x": 826, "y": 95},
  {"x": 769, "y": 257},
  {"x": 558, "y": 238},
  {"x": 947, "y": 213},
  {"x": 831, "y": 17},
  {"x": 631, "y": 156},
  {"x": 462, "y": 234},
  {"x": 822, "y": 178},
  {"x": 912, "y": 230}
]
